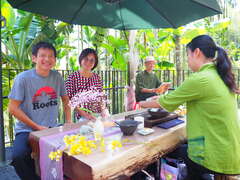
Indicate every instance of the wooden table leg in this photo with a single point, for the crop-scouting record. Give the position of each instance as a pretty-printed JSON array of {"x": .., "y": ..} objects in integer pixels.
[{"x": 225, "y": 177}]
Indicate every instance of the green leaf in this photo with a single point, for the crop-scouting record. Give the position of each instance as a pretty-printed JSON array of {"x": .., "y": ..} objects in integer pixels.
[
  {"x": 108, "y": 47},
  {"x": 119, "y": 62},
  {"x": 25, "y": 21},
  {"x": 189, "y": 34},
  {"x": 218, "y": 26},
  {"x": 88, "y": 32},
  {"x": 8, "y": 13},
  {"x": 117, "y": 42},
  {"x": 165, "y": 65},
  {"x": 98, "y": 37}
]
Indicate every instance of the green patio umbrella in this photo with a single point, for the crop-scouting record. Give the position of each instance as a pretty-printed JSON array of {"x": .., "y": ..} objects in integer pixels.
[{"x": 122, "y": 14}]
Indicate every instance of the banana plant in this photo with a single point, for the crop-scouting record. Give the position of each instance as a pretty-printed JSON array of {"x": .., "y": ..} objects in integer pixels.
[
  {"x": 117, "y": 49},
  {"x": 24, "y": 29},
  {"x": 16, "y": 39},
  {"x": 157, "y": 43}
]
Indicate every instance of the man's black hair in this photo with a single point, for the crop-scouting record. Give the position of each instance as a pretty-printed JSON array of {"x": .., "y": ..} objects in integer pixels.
[{"x": 44, "y": 45}]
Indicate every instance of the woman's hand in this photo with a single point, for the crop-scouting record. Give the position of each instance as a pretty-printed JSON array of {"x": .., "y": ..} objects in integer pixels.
[
  {"x": 149, "y": 104},
  {"x": 237, "y": 91},
  {"x": 88, "y": 116},
  {"x": 152, "y": 98},
  {"x": 85, "y": 114}
]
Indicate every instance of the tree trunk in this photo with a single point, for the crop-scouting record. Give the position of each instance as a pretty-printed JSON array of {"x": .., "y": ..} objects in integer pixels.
[
  {"x": 132, "y": 69},
  {"x": 67, "y": 55},
  {"x": 133, "y": 57},
  {"x": 177, "y": 59},
  {"x": 81, "y": 36}
]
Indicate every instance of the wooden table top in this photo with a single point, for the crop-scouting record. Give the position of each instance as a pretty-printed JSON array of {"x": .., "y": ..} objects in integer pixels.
[{"x": 123, "y": 162}]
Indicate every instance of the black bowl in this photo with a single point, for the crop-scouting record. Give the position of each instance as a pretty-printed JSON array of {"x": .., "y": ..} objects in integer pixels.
[
  {"x": 158, "y": 113},
  {"x": 128, "y": 126}
]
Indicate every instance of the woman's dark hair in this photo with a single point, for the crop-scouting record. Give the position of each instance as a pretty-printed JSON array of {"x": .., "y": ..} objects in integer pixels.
[
  {"x": 44, "y": 45},
  {"x": 85, "y": 53},
  {"x": 224, "y": 66}
]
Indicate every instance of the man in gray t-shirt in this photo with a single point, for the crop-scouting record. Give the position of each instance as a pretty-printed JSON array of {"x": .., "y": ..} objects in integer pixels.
[
  {"x": 34, "y": 101},
  {"x": 39, "y": 97}
]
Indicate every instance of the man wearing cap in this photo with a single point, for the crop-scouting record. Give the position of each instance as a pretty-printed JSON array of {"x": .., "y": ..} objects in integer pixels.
[{"x": 147, "y": 83}]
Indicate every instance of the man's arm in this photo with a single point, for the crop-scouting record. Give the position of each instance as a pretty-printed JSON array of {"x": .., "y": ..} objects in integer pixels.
[
  {"x": 15, "y": 110},
  {"x": 67, "y": 109},
  {"x": 160, "y": 90},
  {"x": 145, "y": 90}
]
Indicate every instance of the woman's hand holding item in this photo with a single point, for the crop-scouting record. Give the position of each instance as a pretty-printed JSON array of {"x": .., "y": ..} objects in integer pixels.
[
  {"x": 85, "y": 114},
  {"x": 89, "y": 116}
]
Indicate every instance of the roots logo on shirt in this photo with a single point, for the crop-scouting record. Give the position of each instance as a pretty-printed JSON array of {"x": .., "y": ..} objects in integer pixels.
[{"x": 44, "y": 97}]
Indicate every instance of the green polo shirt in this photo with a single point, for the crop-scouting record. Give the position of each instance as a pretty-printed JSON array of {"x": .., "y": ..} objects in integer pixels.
[
  {"x": 147, "y": 80},
  {"x": 213, "y": 126}
]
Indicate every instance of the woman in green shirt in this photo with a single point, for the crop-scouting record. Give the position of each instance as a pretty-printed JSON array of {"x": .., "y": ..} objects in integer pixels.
[{"x": 213, "y": 127}]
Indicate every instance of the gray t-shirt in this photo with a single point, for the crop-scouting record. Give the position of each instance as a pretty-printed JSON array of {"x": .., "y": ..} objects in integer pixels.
[{"x": 39, "y": 96}]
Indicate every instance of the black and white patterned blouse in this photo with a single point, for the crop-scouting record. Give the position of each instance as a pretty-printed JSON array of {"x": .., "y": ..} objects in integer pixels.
[{"x": 76, "y": 83}]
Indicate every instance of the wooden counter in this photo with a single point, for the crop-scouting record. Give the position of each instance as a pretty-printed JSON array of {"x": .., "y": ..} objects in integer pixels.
[{"x": 121, "y": 163}]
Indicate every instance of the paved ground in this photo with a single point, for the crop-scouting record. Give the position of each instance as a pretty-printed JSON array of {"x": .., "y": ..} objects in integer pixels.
[{"x": 7, "y": 172}]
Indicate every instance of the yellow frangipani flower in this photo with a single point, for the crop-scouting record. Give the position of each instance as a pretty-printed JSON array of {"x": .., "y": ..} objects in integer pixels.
[
  {"x": 116, "y": 144},
  {"x": 91, "y": 144},
  {"x": 55, "y": 155},
  {"x": 76, "y": 144}
]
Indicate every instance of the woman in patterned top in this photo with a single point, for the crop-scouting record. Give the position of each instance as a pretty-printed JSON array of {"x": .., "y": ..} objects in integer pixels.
[{"x": 85, "y": 80}]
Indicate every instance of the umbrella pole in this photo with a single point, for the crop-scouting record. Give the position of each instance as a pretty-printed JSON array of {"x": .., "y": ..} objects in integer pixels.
[{"x": 2, "y": 137}]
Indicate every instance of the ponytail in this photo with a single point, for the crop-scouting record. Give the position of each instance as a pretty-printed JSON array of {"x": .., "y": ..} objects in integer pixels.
[
  {"x": 223, "y": 64},
  {"x": 224, "y": 69}
]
